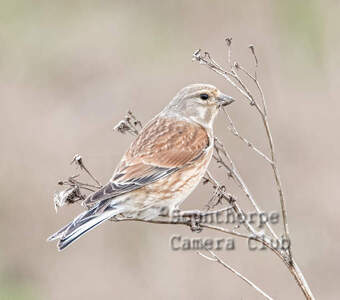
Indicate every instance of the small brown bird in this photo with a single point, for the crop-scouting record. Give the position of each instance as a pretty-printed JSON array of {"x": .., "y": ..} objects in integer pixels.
[{"x": 162, "y": 166}]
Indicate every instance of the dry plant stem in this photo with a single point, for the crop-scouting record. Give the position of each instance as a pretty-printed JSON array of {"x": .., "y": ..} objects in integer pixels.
[
  {"x": 292, "y": 267},
  {"x": 228, "y": 42},
  {"x": 207, "y": 60},
  {"x": 235, "y": 206},
  {"x": 217, "y": 259},
  {"x": 215, "y": 228},
  {"x": 300, "y": 279},
  {"x": 90, "y": 174},
  {"x": 187, "y": 223},
  {"x": 252, "y": 49},
  {"x": 233, "y": 78},
  {"x": 263, "y": 239},
  {"x": 130, "y": 124},
  {"x": 217, "y": 69},
  {"x": 219, "y": 192},
  {"x": 189, "y": 213},
  {"x": 73, "y": 182},
  {"x": 209, "y": 226},
  {"x": 278, "y": 183},
  {"x": 235, "y": 132},
  {"x": 242, "y": 88},
  {"x": 234, "y": 173},
  {"x": 264, "y": 117},
  {"x": 77, "y": 159}
]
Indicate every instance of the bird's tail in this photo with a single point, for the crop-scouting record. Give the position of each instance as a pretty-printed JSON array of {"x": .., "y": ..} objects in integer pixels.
[{"x": 84, "y": 223}]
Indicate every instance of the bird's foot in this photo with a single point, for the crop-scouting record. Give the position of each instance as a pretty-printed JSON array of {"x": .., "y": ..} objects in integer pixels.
[
  {"x": 195, "y": 218},
  {"x": 195, "y": 223}
]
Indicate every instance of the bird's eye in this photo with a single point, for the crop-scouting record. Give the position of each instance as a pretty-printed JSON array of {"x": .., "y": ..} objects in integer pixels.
[{"x": 204, "y": 96}]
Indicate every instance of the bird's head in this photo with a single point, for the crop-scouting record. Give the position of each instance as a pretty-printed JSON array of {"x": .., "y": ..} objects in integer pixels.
[{"x": 199, "y": 103}]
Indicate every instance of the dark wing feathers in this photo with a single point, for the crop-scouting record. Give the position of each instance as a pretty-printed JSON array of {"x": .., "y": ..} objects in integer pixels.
[
  {"x": 80, "y": 220},
  {"x": 113, "y": 189}
]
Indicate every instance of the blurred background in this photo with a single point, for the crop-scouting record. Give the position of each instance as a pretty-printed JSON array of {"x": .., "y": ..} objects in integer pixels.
[{"x": 70, "y": 70}]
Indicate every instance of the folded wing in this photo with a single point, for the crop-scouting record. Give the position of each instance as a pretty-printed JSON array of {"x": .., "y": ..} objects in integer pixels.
[{"x": 163, "y": 147}]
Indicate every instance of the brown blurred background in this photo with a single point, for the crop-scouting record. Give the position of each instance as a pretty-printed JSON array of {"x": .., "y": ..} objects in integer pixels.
[{"x": 69, "y": 71}]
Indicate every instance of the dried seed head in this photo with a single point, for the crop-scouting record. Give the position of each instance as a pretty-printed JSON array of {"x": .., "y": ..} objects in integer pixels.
[{"x": 228, "y": 41}]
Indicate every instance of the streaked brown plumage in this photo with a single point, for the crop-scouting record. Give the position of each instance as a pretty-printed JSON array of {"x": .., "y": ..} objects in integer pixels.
[{"x": 161, "y": 167}]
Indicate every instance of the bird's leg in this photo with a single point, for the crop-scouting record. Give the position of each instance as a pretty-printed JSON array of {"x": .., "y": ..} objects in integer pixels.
[{"x": 195, "y": 223}]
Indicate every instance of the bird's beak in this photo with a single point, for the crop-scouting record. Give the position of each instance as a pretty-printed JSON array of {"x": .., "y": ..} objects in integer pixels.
[{"x": 224, "y": 100}]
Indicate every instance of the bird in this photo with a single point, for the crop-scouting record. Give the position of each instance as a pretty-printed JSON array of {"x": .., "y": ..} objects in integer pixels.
[{"x": 162, "y": 166}]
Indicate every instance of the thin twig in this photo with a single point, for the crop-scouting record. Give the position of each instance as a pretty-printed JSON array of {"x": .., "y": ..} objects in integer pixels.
[
  {"x": 235, "y": 206},
  {"x": 293, "y": 268},
  {"x": 206, "y": 60},
  {"x": 217, "y": 259},
  {"x": 233, "y": 171},
  {"x": 77, "y": 159},
  {"x": 264, "y": 117},
  {"x": 256, "y": 237},
  {"x": 252, "y": 49},
  {"x": 228, "y": 41},
  {"x": 219, "y": 192},
  {"x": 235, "y": 132}
]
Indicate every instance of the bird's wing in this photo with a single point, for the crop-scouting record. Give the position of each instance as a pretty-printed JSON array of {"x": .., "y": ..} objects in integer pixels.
[{"x": 163, "y": 147}]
